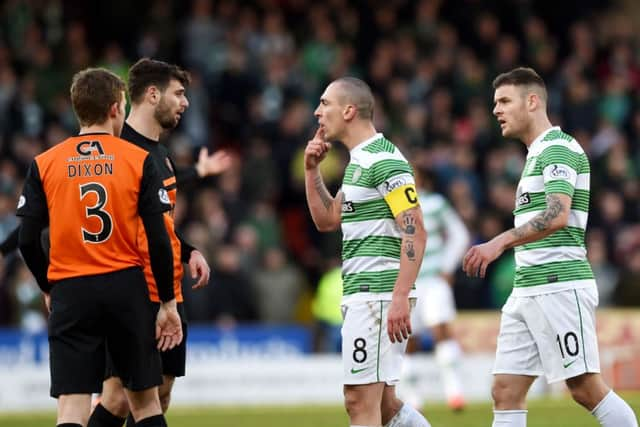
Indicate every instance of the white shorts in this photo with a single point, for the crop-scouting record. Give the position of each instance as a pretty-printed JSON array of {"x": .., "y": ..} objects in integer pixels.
[
  {"x": 368, "y": 356},
  {"x": 552, "y": 334},
  {"x": 435, "y": 304}
]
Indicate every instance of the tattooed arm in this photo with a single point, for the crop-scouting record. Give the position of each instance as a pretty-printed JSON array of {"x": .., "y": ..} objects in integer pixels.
[
  {"x": 552, "y": 219},
  {"x": 325, "y": 209},
  {"x": 414, "y": 240}
]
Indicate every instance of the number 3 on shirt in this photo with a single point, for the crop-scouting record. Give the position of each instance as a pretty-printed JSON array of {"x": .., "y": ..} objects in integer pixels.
[{"x": 96, "y": 210}]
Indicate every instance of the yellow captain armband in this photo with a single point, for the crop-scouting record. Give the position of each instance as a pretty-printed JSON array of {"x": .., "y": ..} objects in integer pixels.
[{"x": 402, "y": 198}]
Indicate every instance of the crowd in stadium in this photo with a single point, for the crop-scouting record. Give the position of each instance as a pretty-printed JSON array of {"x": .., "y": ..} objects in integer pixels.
[{"x": 258, "y": 69}]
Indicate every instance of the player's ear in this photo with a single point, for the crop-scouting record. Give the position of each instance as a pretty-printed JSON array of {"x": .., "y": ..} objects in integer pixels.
[
  {"x": 152, "y": 94},
  {"x": 114, "y": 109},
  {"x": 533, "y": 101},
  {"x": 349, "y": 112}
]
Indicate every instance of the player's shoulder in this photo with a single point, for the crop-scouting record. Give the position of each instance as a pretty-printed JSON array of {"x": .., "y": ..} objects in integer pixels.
[
  {"x": 557, "y": 142},
  {"x": 378, "y": 152},
  {"x": 128, "y": 146}
]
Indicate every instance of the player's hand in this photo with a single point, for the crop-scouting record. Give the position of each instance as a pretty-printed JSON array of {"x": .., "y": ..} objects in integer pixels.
[
  {"x": 214, "y": 164},
  {"x": 199, "y": 269},
  {"x": 47, "y": 302},
  {"x": 399, "y": 319},
  {"x": 479, "y": 257},
  {"x": 168, "y": 326},
  {"x": 316, "y": 150}
]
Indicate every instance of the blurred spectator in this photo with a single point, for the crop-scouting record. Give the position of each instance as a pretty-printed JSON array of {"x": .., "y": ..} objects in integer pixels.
[
  {"x": 278, "y": 287},
  {"x": 232, "y": 298},
  {"x": 605, "y": 273},
  {"x": 29, "y": 303}
]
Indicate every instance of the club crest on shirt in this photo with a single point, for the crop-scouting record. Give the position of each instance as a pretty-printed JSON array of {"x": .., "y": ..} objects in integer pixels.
[
  {"x": 22, "y": 201},
  {"x": 356, "y": 174}
]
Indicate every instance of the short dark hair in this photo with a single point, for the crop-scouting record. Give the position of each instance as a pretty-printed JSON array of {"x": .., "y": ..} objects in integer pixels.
[
  {"x": 151, "y": 72},
  {"x": 93, "y": 92},
  {"x": 358, "y": 93},
  {"x": 521, "y": 76}
]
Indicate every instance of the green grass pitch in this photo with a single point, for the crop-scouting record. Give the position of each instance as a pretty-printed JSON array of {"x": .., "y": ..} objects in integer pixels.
[{"x": 561, "y": 412}]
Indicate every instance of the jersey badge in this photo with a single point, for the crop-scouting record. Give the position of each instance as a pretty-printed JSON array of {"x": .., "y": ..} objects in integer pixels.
[
  {"x": 356, "y": 175},
  {"x": 164, "y": 196},
  {"x": 560, "y": 172}
]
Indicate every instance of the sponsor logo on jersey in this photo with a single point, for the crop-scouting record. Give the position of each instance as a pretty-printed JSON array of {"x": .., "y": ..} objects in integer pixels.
[
  {"x": 348, "y": 207},
  {"x": 87, "y": 148},
  {"x": 164, "y": 196},
  {"x": 22, "y": 201},
  {"x": 357, "y": 371},
  {"x": 523, "y": 199},
  {"x": 560, "y": 172}
]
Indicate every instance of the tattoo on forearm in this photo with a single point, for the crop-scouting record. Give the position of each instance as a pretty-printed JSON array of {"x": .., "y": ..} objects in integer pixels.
[
  {"x": 409, "y": 222},
  {"x": 541, "y": 221},
  {"x": 410, "y": 250},
  {"x": 322, "y": 192}
]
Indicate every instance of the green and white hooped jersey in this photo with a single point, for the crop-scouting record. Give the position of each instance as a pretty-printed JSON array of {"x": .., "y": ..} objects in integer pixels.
[
  {"x": 371, "y": 239},
  {"x": 556, "y": 163}
]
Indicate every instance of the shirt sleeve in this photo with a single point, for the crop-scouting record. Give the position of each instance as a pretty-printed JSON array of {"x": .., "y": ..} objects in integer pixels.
[
  {"x": 153, "y": 197},
  {"x": 33, "y": 201},
  {"x": 559, "y": 166},
  {"x": 32, "y": 251},
  {"x": 185, "y": 249},
  {"x": 395, "y": 182}
]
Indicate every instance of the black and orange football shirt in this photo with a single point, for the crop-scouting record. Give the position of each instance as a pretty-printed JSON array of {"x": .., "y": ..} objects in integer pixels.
[
  {"x": 166, "y": 171},
  {"x": 92, "y": 190}
]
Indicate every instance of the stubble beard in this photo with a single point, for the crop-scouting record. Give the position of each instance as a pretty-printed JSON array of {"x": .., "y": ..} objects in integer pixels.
[{"x": 164, "y": 117}]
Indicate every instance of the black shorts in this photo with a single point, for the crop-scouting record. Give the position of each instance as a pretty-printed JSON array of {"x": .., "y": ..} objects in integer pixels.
[
  {"x": 94, "y": 314},
  {"x": 173, "y": 361}
]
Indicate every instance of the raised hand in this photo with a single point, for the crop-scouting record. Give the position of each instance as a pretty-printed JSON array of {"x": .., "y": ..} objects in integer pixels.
[
  {"x": 316, "y": 150},
  {"x": 213, "y": 164}
]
